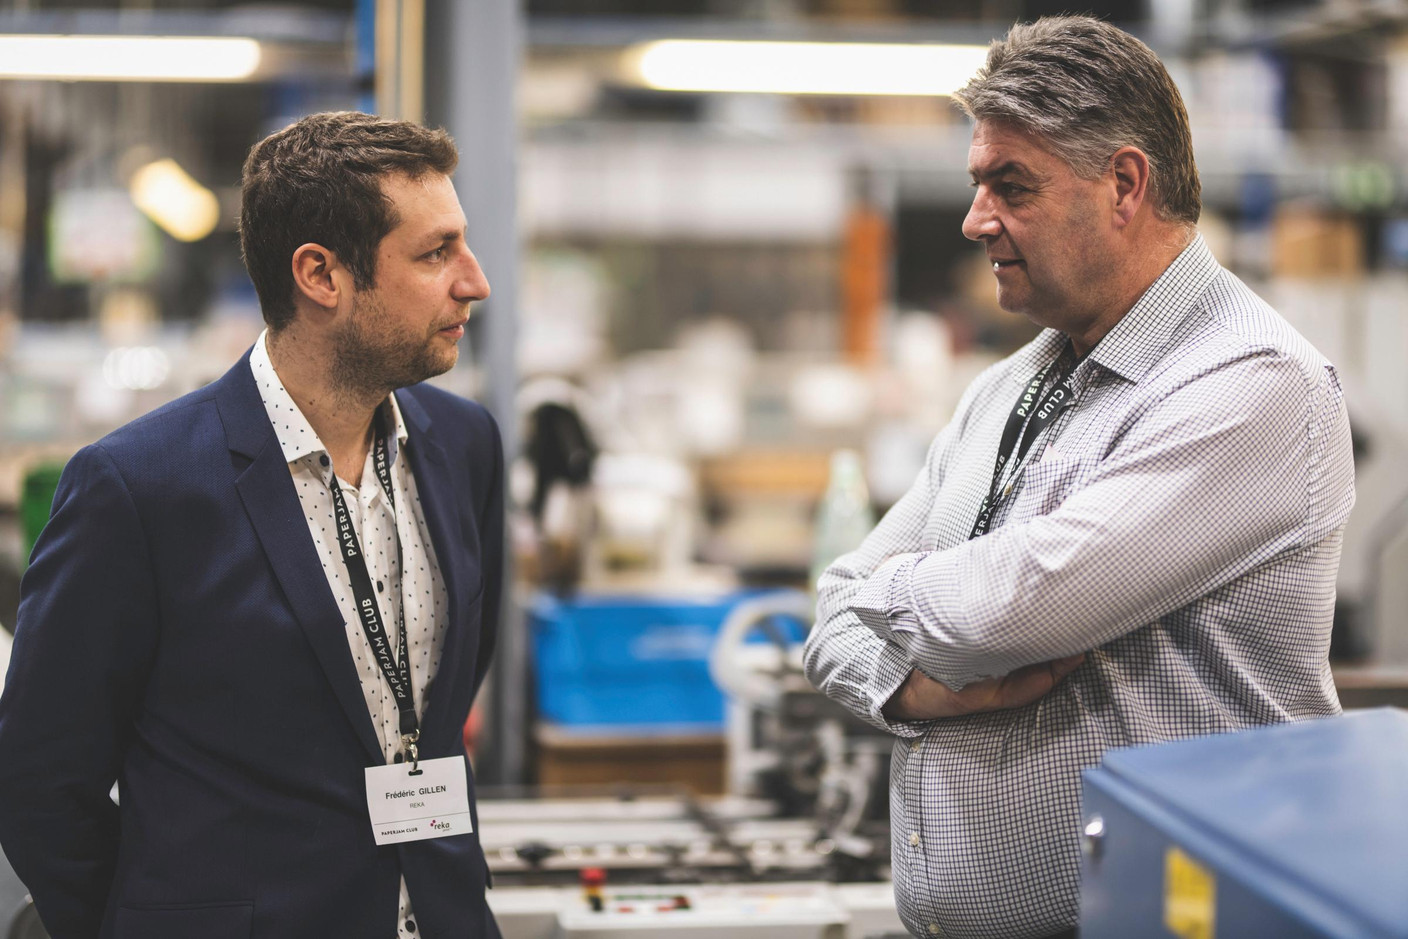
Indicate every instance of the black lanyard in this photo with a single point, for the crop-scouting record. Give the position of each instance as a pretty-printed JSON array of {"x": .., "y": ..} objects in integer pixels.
[
  {"x": 398, "y": 669},
  {"x": 1020, "y": 433}
]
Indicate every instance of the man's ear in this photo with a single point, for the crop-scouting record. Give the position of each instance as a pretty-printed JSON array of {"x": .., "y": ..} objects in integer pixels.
[
  {"x": 1130, "y": 169},
  {"x": 313, "y": 270}
]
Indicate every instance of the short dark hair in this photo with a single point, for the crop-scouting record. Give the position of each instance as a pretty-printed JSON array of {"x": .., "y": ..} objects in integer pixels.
[
  {"x": 1086, "y": 89},
  {"x": 319, "y": 180}
]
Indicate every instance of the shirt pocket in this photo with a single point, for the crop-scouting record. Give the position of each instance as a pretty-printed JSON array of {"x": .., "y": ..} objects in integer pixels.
[{"x": 1047, "y": 483}]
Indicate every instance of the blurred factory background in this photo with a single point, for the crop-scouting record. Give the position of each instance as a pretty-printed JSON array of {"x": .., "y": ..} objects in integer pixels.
[{"x": 727, "y": 319}]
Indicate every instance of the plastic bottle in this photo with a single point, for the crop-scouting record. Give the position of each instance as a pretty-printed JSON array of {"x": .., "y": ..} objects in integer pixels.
[{"x": 844, "y": 517}]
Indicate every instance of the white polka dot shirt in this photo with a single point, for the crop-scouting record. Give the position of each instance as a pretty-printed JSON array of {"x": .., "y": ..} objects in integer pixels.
[
  {"x": 1181, "y": 524},
  {"x": 418, "y": 589}
]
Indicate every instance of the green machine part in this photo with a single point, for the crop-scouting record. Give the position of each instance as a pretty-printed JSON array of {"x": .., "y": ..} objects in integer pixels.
[{"x": 36, "y": 499}]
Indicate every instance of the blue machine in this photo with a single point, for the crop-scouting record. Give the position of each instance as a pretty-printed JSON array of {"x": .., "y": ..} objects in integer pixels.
[
  {"x": 618, "y": 661},
  {"x": 1283, "y": 832}
]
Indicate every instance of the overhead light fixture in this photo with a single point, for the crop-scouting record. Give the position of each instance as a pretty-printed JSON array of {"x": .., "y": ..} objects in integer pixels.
[
  {"x": 804, "y": 68},
  {"x": 185, "y": 209},
  {"x": 129, "y": 58}
]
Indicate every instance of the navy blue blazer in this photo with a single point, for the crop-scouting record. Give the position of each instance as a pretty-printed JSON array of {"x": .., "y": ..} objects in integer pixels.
[{"x": 177, "y": 634}]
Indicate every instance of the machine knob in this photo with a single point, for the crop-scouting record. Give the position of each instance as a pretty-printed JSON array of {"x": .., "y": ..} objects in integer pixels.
[
  {"x": 1092, "y": 840},
  {"x": 534, "y": 853}
]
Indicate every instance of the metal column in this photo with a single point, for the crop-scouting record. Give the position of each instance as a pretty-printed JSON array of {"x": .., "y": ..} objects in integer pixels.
[{"x": 473, "y": 50}]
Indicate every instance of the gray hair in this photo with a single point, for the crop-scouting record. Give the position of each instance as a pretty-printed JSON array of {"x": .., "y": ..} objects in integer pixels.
[{"x": 1086, "y": 89}]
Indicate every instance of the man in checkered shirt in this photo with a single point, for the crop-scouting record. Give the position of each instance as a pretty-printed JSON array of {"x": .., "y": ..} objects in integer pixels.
[{"x": 1129, "y": 531}]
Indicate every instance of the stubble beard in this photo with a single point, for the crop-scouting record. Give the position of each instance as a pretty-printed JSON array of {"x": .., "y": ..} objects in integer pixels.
[{"x": 373, "y": 356}]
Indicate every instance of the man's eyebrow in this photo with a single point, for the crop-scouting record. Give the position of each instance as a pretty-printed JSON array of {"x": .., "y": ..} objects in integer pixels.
[
  {"x": 443, "y": 237},
  {"x": 1010, "y": 168}
]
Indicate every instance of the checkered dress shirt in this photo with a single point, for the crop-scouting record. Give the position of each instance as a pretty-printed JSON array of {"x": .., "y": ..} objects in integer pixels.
[{"x": 1181, "y": 524}]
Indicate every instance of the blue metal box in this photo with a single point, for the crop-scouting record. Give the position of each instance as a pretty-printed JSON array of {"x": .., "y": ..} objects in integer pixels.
[
  {"x": 630, "y": 661},
  {"x": 1283, "y": 832}
]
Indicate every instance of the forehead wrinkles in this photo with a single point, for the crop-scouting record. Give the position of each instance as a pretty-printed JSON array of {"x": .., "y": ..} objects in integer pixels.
[{"x": 997, "y": 144}]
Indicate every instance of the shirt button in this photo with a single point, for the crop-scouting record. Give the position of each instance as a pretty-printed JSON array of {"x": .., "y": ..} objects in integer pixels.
[
  {"x": 914, "y": 839},
  {"x": 379, "y": 587},
  {"x": 323, "y": 459},
  {"x": 934, "y": 929},
  {"x": 914, "y": 747},
  {"x": 410, "y": 925}
]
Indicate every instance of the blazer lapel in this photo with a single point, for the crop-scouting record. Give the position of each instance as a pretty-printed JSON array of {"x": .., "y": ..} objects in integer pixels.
[
  {"x": 266, "y": 489},
  {"x": 437, "y": 490}
]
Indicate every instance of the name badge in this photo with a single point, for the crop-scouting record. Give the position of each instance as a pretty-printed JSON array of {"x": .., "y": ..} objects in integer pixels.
[{"x": 434, "y": 803}]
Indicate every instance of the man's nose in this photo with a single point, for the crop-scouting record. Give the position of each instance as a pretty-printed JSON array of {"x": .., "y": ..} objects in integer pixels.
[
  {"x": 471, "y": 284},
  {"x": 981, "y": 221}
]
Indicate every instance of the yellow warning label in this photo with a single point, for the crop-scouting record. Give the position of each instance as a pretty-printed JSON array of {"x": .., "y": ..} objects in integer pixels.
[{"x": 1190, "y": 905}]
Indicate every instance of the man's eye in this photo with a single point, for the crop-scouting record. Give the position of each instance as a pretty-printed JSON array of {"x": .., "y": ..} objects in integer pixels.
[{"x": 436, "y": 255}]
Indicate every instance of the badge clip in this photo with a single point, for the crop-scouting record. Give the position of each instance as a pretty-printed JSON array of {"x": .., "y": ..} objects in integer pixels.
[{"x": 408, "y": 747}]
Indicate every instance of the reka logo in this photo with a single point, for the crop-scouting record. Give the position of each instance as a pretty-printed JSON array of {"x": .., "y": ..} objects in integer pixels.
[{"x": 439, "y": 826}]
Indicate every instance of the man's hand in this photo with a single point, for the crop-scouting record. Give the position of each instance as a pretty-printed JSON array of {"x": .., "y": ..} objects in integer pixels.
[{"x": 921, "y": 698}]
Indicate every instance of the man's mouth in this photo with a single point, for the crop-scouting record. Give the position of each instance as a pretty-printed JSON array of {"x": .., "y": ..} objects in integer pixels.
[{"x": 1000, "y": 264}]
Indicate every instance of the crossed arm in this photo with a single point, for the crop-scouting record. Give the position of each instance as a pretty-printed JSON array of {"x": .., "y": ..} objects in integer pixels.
[
  {"x": 1208, "y": 483},
  {"x": 921, "y": 698}
]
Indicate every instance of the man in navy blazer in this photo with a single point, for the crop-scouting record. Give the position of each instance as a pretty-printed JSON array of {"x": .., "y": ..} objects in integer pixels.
[{"x": 183, "y": 632}]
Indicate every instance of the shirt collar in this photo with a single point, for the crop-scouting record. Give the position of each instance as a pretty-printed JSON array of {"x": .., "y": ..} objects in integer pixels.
[
  {"x": 1036, "y": 355},
  {"x": 1143, "y": 334},
  {"x": 296, "y": 436}
]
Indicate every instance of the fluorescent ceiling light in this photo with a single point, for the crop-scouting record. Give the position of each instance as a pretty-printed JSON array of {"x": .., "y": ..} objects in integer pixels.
[
  {"x": 185, "y": 209},
  {"x": 805, "y": 68},
  {"x": 128, "y": 58}
]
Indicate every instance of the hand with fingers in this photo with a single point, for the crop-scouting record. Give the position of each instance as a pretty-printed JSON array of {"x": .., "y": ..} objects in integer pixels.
[{"x": 921, "y": 698}]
